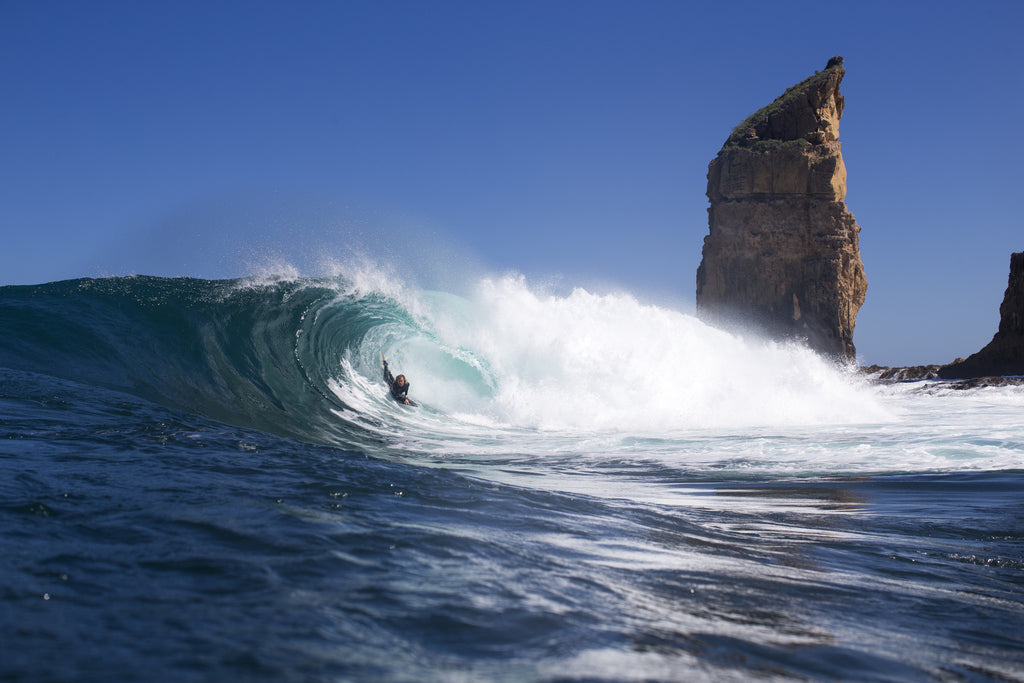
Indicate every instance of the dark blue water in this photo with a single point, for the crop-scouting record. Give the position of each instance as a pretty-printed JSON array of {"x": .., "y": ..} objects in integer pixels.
[{"x": 182, "y": 498}]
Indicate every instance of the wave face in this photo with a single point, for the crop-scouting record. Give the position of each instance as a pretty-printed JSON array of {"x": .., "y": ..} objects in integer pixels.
[
  {"x": 504, "y": 371},
  {"x": 302, "y": 358}
]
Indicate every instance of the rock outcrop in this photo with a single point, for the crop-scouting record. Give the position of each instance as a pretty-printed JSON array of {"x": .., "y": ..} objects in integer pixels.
[
  {"x": 912, "y": 373},
  {"x": 1004, "y": 355},
  {"x": 917, "y": 373},
  {"x": 782, "y": 253}
]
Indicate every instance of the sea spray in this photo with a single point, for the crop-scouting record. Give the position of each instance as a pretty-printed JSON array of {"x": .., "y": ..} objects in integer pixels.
[{"x": 607, "y": 362}]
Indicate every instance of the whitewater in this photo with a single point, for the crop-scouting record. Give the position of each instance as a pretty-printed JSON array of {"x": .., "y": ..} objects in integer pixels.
[{"x": 207, "y": 480}]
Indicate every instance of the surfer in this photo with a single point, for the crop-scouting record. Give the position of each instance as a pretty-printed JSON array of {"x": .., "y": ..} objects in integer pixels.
[{"x": 399, "y": 385}]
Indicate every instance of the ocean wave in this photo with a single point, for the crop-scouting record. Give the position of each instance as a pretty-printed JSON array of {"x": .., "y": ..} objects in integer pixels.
[{"x": 495, "y": 370}]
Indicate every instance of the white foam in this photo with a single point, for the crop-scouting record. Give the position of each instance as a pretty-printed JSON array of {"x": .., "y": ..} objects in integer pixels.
[
  {"x": 607, "y": 362},
  {"x": 513, "y": 370}
]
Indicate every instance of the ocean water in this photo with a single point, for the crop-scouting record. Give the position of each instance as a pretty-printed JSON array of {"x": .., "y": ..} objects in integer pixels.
[{"x": 206, "y": 481}]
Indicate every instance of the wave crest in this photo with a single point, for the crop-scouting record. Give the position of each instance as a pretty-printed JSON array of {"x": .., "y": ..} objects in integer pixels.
[{"x": 301, "y": 357}]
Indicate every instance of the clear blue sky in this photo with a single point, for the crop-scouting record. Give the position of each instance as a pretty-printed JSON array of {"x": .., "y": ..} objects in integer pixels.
[{"x": 564, "y": 140}]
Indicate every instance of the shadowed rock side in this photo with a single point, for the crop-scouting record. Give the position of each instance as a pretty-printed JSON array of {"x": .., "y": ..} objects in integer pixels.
[
  {"x": 1004, "y": 355},
  {"x": 783, "y": 252}
]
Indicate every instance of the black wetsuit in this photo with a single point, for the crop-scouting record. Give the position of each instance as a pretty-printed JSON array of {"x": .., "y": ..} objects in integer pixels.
[{"x": 400, "y": 394}]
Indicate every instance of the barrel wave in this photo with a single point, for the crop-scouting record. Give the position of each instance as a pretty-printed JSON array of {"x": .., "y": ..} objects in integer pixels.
[
  {"x": 301, "y": 358},
  {"x": 253, "y": 354}
]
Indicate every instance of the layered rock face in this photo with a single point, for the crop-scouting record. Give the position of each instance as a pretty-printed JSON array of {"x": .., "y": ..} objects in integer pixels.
[
  {"x": 783, "y": 252},
  {"x": 1004, "y": 355}
]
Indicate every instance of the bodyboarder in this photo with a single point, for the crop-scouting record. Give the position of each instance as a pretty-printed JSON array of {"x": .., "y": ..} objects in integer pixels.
[{"x": 399, "y": 385}]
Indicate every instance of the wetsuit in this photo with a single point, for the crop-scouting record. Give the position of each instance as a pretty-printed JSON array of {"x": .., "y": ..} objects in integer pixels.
[{"x": 400, "y": 394}]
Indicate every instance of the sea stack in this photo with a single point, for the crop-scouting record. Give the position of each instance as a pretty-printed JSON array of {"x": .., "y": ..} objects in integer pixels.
[
  {"x": 1004, "y": 355},
  {"x": 783, "y": 252}
]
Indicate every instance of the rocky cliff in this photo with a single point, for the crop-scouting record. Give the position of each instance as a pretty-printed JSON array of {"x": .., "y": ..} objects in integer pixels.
[
  {"x": 782, "y": 253},
  {"x": 1004, "y": 355}
]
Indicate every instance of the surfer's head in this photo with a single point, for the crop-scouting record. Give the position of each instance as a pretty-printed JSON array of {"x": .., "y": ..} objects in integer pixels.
[{"x": 400, "y": 380}]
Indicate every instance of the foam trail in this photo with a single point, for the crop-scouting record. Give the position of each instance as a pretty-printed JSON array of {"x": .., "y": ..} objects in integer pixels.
[{"x": 606, "y": 362}]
